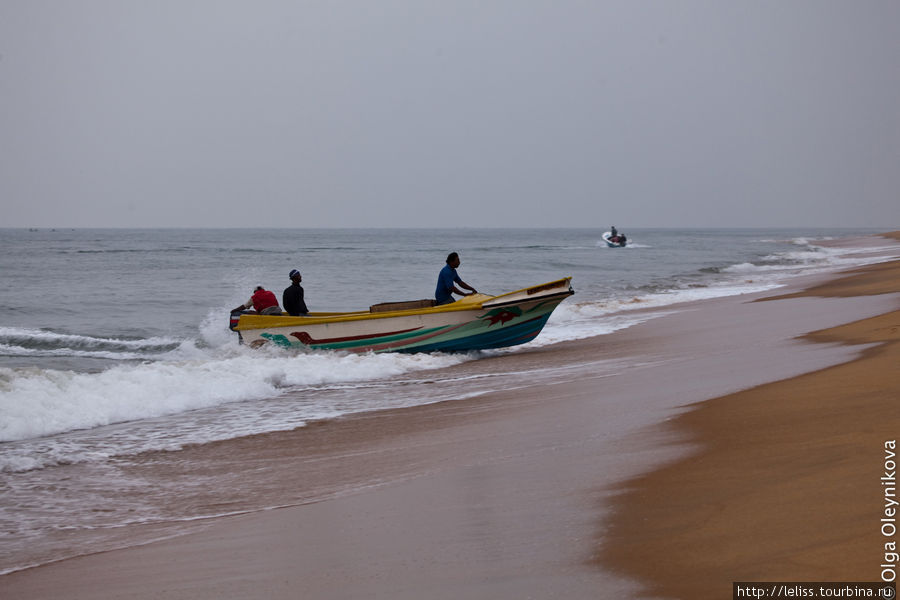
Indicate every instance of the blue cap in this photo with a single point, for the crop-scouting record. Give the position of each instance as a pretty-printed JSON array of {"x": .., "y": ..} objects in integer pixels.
[{"x": 293, "y": 272}]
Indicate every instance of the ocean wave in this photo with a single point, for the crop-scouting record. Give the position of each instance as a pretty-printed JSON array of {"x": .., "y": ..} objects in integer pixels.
[
  {"x": 130, "y": 250},
  {"x": 18, "y": 342},
  {"x": 20, "y": 351},
  {"x": 817, "y": 259},
  {"x": 39, "y": 337},
  {"x": 41, "y": 402}
]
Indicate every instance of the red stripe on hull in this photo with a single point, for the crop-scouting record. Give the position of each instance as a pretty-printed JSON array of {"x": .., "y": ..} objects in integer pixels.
[{"x": 309, "y": 340}]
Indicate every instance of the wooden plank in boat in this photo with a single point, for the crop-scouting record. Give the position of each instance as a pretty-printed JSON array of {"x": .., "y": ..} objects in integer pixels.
[{"x": 408, "y": 305}]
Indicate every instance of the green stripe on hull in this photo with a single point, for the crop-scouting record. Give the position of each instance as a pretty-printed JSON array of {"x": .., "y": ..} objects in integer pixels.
[{"x": 376, "y": 341}]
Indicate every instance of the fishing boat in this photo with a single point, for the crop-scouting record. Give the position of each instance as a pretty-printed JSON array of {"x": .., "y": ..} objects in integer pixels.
[
  {"x": 613, "y": 241},
  {"x": 474, "y": 322}
]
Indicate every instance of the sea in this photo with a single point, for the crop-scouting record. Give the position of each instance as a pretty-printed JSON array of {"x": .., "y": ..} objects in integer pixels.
[{"x": 114, "y": 344}]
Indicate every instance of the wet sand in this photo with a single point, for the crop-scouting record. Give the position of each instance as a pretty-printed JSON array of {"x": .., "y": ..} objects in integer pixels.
[{"x": 537, "y": 492}]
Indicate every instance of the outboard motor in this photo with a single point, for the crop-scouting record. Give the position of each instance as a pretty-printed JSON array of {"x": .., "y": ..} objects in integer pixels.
[{"x": 233, "y": 322}]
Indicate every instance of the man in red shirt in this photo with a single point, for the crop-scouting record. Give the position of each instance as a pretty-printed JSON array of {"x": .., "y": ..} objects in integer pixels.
[{"x": 263, "y": 301}]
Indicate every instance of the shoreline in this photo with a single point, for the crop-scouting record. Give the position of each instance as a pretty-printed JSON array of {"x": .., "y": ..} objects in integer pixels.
[
  {"x": 785, "y": 482},
  {"x": 494, "y": 496}
]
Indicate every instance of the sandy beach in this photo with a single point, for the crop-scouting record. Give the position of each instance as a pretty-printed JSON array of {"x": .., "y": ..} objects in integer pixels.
[
  {"x": 746, "y": 445},
  {"x": 787, "y": 483}
]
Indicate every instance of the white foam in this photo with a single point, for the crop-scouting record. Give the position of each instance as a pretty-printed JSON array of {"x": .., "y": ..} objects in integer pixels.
[
  {"x": 42, "y": 402},
  {"x": 575, "y": 321},
  {"x": 805, "y": 262}
]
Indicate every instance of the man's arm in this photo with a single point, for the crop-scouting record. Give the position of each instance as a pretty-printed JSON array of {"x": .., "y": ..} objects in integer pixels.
[
  {"x": 465, "y": 285},
  {"x": 243, "y": 306}
]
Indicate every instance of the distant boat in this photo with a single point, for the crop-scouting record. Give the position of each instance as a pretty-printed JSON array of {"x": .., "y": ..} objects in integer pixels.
[
  {"x": 617, "y": 241},
  {"x": 475, "y": 322}
]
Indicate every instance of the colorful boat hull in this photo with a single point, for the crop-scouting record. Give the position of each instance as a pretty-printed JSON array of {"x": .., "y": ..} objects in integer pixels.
[{"x": 474, "y": 322}]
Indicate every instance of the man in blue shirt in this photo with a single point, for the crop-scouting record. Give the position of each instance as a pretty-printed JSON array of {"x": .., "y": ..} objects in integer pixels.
[{"x": 446, "y": 279}]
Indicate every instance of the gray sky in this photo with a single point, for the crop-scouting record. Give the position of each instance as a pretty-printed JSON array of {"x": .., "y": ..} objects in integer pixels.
[{"x": 210, "y": 113}]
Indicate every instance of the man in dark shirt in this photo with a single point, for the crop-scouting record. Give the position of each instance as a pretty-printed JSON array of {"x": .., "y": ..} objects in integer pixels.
[{"x": 292, "y": 299}]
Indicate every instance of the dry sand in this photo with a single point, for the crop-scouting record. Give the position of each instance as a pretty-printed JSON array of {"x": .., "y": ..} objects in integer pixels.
[{"x": 519, "y": 494}]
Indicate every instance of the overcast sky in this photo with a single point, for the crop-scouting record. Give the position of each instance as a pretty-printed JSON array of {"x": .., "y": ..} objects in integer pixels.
[{"x": 416, "y": 113}]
